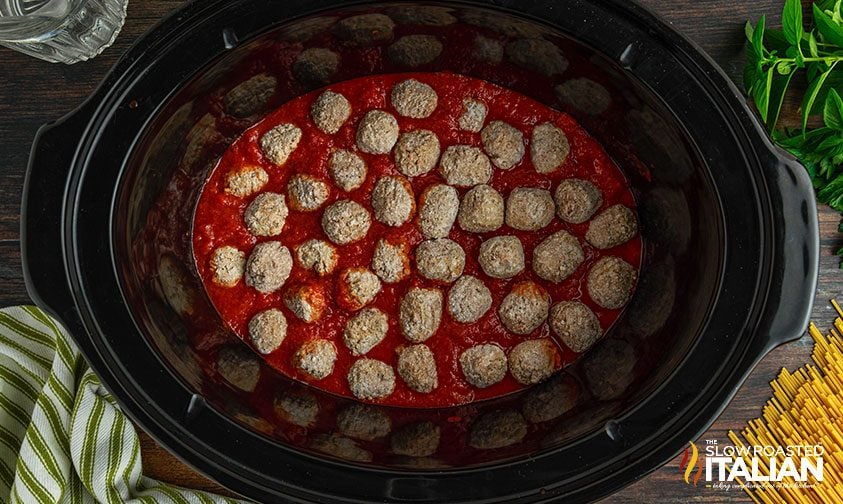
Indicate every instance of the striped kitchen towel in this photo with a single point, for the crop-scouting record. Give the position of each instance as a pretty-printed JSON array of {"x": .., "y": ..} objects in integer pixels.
[{"x": 63, "y": 438}]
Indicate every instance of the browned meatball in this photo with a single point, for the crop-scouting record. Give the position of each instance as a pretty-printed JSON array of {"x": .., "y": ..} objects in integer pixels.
[
  {"x": 365, "y": 330},
  {"x": 417, "y": 367},
  {"x": 525, "y": 308},
  {"x": 412, "y": 98},
  {"x": 577, "y": 200},
  {"x": 245, "y": 181},
  {"x": 316, "y": 358},
  {"x": 420, "y": 313},
  {"x": 557, "y": 256},
  {"x": 371, "y": 379},
  {"x": 529, "y": 208},
  {"x": 473, "y": 115},
  {"x": 503, "y": 143},
  {"x": 266, "y": 214},
  {"x": 610, "y": 282},
  {"x": 268, "y": 267},
  {"x": 357, "y": 287},
  {"x": 465, "y": 166},
  {"x": 377, "y": 132},
  {"x": 317, "y": 255},
  {"x": 469, "y": 299},
  {"x": 441, "y": 259},
  {"x": 439, "y": 205},
  {"x": 501, "y": 256},
  {"x": 613, "y": 226},
  {"x": 228, "y": 265},
  {"x": 533, "y": 361},
  {"x": 417, "y": 152},
  {"x": 347, "y": 169},
  {"x": 267, "y": 330},
  {"x": 278, "y": 143},
  {"x": 306, "y": 193},
  {"x": 307, "y": 302},
  {"x": 483, "y": 365},
  {"x": 390, "y": 261},
  {"x": 549, "y": 148},
  {"x": 481, "y": 210},
  {"x": 575, "y": 324},
  {"x": 330, "y": 111},
  {"x": 393, "y": 201},
  {"x": 345, "y": 222}
]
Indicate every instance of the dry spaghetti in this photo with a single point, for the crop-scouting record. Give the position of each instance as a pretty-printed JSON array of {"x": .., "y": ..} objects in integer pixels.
[{"x": 806, "y": 409}]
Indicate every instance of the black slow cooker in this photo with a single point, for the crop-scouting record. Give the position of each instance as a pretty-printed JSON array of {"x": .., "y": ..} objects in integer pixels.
[{"x": 729, "y": 223}]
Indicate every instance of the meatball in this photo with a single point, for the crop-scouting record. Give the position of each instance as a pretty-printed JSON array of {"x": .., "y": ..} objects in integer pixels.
[
  {"x": 440, "y": 259},
  {"x": 314, "y": 67},
  {"x": 414, "y": 50},
  {"x": 251, "y": 96},
  {"x": 529, "y": 209},
  {"x": 371, "y": 379},
  {"x": 610, "y": 282},
  {"x": 267, "y": 330},
  {"x": 549, "y": 148},
  {"x": 239, "y": 367},
  {"x": 357, "y": 287},
  {"x": 266, "y": 214},
  {"x": 316, "y": 358},
  {"x": 465, "y": 166},
  {"x": 347, "y": 169},
  {"x": 608, "y": 368},
  {"x": 584, "y": 95},
  {"x": 469, "y": 299},
  {"x": 439, "y": 204},
  {"x": 307, "y": 302},
  {"x": 537, "y": 55},
  {"x": 611, "y": 227},
  {"x": 377, "y": 132},
  {"x": 364, "y": 29},
  {"x": 551, "y": 399},
  {"x": 246, "y": 181},
  {"x": 345, "y": 222},
  {"x": 420, "y": 313},
  {"x": 364, "y": 422},
  {"x": 501, "y": 257},
  {"x": 306, "y": 193},
  {"x": 278, "y": 143},
  {"x": 483, "y": 365},
  {"x": 497, "y": 429},
  {"x": 390, "y": 261},
  {"x": 340, "y": 447},
  {"x": 417, "y": 152},
  {"x": 577, "y": 200},
  {"x": 473, "y": 115},
  {"x": 365, "y": 330},
  {"x": 417, "y": 367},
  {"x": 268, "y": 267},
  {"x": 575, "y": 324},
  {"x": 533, "y": 361},
  {"x": 330, "y": 111},
  {"x": 393, "y": 201},
  {"x": 317, "y": 255},
  {"x": 228, "y": 265},
  {"x": 503, "y": 143},
  {"x": 299, "y": 409},
  {"x": 420, "y": 439},
  {"x": 481, "y": 210},
  {"x": 557, "y": 256},
  {"x": 423, "y": 15},
  {"x": 525, "y": 308},
  {"x": 415, "y": 99}
]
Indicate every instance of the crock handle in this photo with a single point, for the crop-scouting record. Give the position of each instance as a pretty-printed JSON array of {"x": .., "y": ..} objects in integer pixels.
[
  {"x": 50, "y": 161},
  {"x": 794, "y": 275}
]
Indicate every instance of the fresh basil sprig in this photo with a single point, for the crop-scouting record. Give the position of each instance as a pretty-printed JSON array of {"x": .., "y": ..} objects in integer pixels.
[{"x": 773, "y": 58}]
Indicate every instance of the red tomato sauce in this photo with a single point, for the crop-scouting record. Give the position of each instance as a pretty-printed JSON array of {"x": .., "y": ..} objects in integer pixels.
[{"x": 218, "y": 221}]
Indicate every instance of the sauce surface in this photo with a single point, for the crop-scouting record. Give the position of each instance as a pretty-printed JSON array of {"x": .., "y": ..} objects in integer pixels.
[{"x": 218, "y": 222}]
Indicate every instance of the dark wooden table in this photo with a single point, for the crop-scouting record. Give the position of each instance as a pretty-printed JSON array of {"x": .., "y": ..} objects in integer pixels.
[{"x": 33, "y": 92}]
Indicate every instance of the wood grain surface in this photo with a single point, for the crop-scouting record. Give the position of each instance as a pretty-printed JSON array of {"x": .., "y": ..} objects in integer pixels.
[{"x": 33, "y": 92}]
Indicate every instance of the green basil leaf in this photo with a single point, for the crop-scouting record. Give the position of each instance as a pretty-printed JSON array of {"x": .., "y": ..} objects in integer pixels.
[
  {"x": 792, "y": 21},
  {"x": 833, "y": 111},
  {"x": 762, "y": 94},
  {"x": 778, "y": 90},
  {"x": 811, "y": 95},
  {"x": 758, "y": 36},
  {"x": 812, "y": 46},
  {"x": 748, "y": 30},
  {"x": 830, "y": 31},
  {"x": 774, "y": 40},
  {"x": 832, "y": 193}
]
